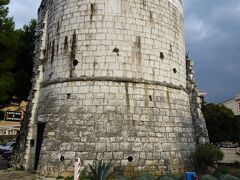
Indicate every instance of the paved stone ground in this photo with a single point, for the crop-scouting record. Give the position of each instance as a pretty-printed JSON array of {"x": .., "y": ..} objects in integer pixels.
[
  {"x": 9, "y": 174},
  {"x": 20, "y": 175},
  {"x": 16, "y": 175}
]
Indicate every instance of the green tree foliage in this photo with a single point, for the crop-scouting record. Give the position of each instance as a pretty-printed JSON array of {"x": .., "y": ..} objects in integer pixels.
[
  {"x": 221, "y": 123},
  {"x": 8, "y": 46},
  {"x": 16, "y": 56},
  {"x": 207, "y": 155},
  {"x": 24, "y": 60}
]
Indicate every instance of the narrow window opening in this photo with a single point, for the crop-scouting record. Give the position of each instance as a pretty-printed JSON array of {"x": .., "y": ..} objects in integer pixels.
[
  {"x": 174, "y": 70},
  {"x": 68, "y": 95},
  {"x": 62, "y": 158},
  {"x": 66, "y": 44},
  {"x": 32, "y": 142},
  {"x": 150, "y": 97},
  {"x": 161, "y": 55}
]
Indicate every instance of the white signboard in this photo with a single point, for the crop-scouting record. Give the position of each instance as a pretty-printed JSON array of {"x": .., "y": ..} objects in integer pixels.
[
  {"x": 178, "y": 4},
  {"x": 13, "y": 116},
  {"x": 77, "y": 169},
  {"x": 113, "y": 6}
]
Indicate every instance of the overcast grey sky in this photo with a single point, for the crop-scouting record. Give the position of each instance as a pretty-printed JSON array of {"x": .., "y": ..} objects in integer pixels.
[{"x": 212, "y": 38}]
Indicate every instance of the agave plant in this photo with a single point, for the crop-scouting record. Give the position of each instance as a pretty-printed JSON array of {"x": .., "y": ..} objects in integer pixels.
[{"x": 102, "y": 170}]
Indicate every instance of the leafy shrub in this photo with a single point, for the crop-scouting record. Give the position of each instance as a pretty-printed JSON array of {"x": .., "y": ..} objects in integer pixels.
[
  {"x": 7, "y": 138},
  {"x": 122, "y": 177},
  {"x": 207, "y": 177},
  {"x": 221, "y": 171},
  {"x": 181, "y": 177},
  {"x": 238, "y": 175},
  {"x": 69, "y": 178},
  {"x": 85, "y": 178},
  {"x": 169, "y": 175},
  {"x": 146, "y": 177},
  {"x": 60, "y": 177},
  {"x": 102, "y": 170},
  {"x": 166, "y": 178},
  {"x": 228, "y": 177},
  {"x": 207, "y": 155}
]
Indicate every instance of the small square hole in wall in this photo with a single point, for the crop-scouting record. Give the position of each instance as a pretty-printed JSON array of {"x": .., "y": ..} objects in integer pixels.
[
  {"x": 150, "y": 97},
  {"x": 161, "y": 55},
  {"x": 116, "y": 50},
  {"x": 174, "y": 70},
  {"x": 32, "y": 142},
  {"x": 130, "y": 159},
  {"x": 75, "y": 62},
  {"x": 62, "y": 158},
  {"x": 68, "y": 95}
]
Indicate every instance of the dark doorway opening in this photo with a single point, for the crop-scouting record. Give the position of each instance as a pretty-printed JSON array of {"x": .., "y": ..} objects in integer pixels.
[{"x": 40, "y": 131}]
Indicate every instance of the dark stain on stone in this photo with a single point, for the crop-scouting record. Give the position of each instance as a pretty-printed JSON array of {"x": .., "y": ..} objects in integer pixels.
[
  {"x": 116, "y": 50},
  {"x": 151, "y": 16},
  {"x": 93, "y": 10},
  {"x": 137, "y": 56},
  {"x": 44, "y": 53},
  {"x": 58, "y": 27},
  {"x": 170, "y": 48},
  {"x": 53, "y": 52},
  {"x": 48, "y": 50},
  {"x": 73, "y": 53},
  {"x": 169, "y": 100},
  {"x": 57, "y": 48},
  {"x": 144, "y": 3},
  {"x": 127, "y": 97},
  {"x": 94, "y": 67},
  {"x": 128, "y": 107},
  {"x": 146, "y": 95},
  {"x": 66, "y": 44},
  {"x": 50, "y": 76}
]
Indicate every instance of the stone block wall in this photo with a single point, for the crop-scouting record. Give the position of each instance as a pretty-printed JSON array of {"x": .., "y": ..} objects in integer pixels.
[
  {"x": 111, "y": 85},
  {"x": 113, "y": 121},
  {"x": 133, "y": 39}
]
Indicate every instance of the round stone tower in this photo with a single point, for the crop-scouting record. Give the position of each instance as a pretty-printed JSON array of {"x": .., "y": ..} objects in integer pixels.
[{"x": 109, "y": 84}]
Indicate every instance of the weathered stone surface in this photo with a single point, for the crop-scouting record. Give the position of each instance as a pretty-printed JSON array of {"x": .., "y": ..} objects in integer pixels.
[{"x": 114, "y": 88}]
